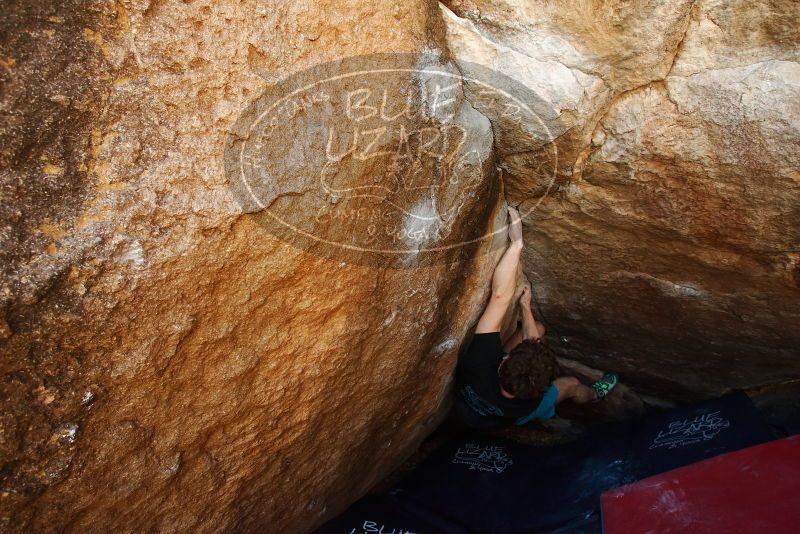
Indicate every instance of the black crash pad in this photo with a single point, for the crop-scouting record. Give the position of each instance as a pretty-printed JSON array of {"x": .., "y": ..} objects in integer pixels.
[
  {"x": 486, "y": 484},
  {"x": 386, "y": 514}
]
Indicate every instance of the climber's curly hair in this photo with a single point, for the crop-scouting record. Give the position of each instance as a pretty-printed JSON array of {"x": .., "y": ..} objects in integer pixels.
[{"x": 529, "y": 370}]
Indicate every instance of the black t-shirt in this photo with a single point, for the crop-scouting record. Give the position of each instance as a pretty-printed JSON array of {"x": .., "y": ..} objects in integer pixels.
[{"x": 479, "y": 403}]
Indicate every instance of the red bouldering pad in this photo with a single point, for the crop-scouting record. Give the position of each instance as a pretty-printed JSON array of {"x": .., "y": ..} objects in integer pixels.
[{"x": 752, "y": 490}]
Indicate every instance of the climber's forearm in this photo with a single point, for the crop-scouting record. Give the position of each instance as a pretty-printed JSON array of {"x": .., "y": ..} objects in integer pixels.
[
  {"x": 530, "y": 329},
  {"x": 515, "y": 339},
  {"x": 504, "y": 279},
  {"x": 504, "y": 282}
]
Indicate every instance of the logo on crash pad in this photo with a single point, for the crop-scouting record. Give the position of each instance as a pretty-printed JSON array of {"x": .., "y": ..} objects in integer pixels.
[
  {"x": 390, "y": 159},
  {"x": 688, "y": 431},
  {"x": 488, "y": 458}
]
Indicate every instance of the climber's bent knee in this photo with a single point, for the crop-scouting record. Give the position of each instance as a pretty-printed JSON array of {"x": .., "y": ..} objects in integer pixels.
[{"x": 567, "y": 387}]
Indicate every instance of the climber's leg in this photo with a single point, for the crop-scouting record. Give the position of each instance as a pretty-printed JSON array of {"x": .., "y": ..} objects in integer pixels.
[
  {"x": 504, "y": 279},
  {"x": 570, "y": 388}
]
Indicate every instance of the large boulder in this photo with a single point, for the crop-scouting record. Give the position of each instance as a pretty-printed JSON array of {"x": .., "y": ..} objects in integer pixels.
[
  {"x": 171, "y": 360},
  {"x": 216, "y": 317},
  {"x": 668, "y": 249}
]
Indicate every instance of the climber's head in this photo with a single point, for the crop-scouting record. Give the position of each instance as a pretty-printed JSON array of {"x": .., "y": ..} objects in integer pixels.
[{"x": 528, "y": 371}]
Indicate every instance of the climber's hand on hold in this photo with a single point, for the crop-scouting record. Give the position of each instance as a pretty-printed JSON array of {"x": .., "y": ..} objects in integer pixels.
[{"x": 525, "y": 297}]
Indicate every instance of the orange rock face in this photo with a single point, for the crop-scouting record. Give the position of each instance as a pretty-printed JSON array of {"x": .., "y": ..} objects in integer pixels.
[
  {"x": 235, "y": 276},
  {"x": 171, "y": 360}
]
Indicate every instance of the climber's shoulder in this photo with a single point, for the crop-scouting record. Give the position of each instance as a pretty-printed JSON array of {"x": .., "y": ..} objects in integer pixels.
[{"x": 484, "y": 351}]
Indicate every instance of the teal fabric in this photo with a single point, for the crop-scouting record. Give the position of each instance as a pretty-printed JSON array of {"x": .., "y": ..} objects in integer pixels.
[{"x": 546, "y": 408}]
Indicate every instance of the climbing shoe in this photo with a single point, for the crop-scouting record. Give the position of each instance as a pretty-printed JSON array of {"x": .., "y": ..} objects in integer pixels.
[{"x": 604, "y": 386}]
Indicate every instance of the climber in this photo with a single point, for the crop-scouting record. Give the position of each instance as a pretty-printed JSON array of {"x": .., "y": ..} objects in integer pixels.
[{"x": 498, "y": 384}]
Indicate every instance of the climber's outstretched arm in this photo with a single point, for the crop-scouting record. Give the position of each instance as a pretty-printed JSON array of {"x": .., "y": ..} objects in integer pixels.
[{"x": 504, "y": 279}]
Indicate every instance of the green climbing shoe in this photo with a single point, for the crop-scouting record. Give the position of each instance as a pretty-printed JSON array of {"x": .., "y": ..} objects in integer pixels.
[{"x": 604, "y": 386}]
